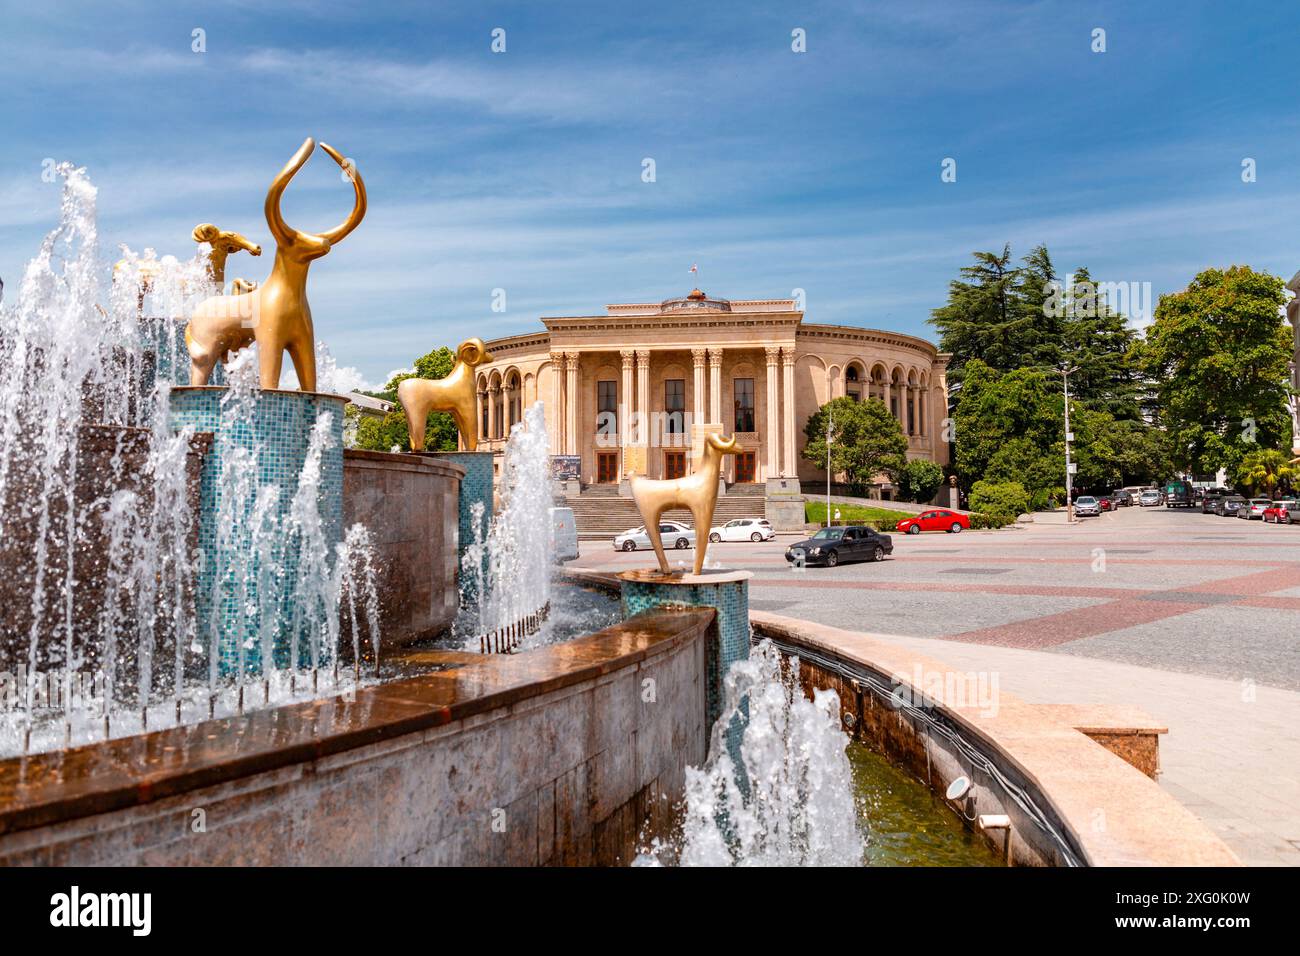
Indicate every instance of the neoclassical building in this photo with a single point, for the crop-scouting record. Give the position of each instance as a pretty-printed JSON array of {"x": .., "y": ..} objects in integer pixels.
[{"x": 623, "y": 389}]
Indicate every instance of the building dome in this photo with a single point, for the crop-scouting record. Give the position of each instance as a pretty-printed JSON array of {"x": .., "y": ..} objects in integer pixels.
[{"x": 695, "y": 301}]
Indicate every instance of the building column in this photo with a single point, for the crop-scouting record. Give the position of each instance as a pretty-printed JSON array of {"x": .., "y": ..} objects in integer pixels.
[
  {"x": 492, "y": 411},
  {"x": 922, "y": 426},
  {"x": 571, "y": 403},
  {"x": 772, "y": 433},
  {"x": 643, "y": 402},
  {"x": 625, "y": 400},
  {"x": 715, "y": 386},
  {"x": 557, "y": 403},
  {"x": 790, "y": 470},
  {"x": 697, "y": 396}
]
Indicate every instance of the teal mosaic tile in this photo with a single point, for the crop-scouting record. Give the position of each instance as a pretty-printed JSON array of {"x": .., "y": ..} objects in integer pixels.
[
  {"x": 731, "y": 600},
  {"x": 476, "y": 486},
  {"x": 279, "y": 430}
]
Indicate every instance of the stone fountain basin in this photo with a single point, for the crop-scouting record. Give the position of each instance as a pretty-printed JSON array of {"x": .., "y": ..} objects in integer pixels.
[{"x": 547, "y": 756}]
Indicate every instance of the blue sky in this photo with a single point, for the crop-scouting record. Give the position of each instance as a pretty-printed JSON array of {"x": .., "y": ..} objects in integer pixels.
[{"x": 774, "y": 170}]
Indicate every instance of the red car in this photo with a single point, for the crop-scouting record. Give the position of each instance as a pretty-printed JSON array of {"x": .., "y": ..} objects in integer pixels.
[
  {"x": 939, "y": 520},
  {"x": 1283, "y": 511},
  {"x": 1105, "y": 503}
]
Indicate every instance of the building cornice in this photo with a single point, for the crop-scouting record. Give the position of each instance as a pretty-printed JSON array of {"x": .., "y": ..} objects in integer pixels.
[{"x": 849, "y": 333}]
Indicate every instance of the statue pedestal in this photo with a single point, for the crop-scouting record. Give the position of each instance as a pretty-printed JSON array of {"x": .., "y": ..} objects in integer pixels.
[
  {"x": 475, "y": 488},
  {"x": 725, "y": 591},
  {"x": 265, "y": 443}
]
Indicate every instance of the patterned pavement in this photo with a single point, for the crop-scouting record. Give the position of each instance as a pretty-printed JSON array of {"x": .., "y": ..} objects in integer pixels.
[{"x": 1191, "y": 616}]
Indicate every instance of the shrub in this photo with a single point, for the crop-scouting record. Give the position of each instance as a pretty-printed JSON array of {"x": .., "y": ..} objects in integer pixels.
[
  {"x": 920, "y": 480},
  {"x": 999, "y": 498},
  {"x": 979, "y": 521}
]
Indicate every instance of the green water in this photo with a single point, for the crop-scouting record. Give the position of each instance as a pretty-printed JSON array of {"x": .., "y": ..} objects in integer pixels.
[{"x": 906, "y": 824}]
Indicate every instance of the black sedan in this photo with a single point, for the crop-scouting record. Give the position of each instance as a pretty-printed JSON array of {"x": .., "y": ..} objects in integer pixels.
[
  {"x": 831, "y": 546},
  {"x": 1227, "y": 505}
]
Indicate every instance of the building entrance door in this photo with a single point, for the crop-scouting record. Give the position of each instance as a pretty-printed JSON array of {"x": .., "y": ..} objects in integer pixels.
[
  {"x": 674, "y": 464},
  {"x": 606, "y": 467},
  {"x": 745, "y": 466}
]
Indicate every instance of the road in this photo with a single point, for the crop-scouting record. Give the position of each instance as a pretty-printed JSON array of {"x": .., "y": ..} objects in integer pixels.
[{"x": 1191, "y": 616}]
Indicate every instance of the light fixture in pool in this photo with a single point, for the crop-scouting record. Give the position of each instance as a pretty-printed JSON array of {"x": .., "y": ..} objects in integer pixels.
[{"x": 958, "y": 789}]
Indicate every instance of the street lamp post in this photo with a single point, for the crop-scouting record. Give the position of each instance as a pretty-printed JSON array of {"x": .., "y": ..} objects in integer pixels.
[
  {"x": 1069, "y": 470},
  {"x": 830, "y": 419}
]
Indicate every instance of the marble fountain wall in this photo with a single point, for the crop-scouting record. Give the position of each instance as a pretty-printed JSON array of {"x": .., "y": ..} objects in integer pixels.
[{"x": 553, "y": 756}]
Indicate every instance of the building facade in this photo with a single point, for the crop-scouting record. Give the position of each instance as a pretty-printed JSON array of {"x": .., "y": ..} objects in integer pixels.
[{"x": 622, "y": 390}]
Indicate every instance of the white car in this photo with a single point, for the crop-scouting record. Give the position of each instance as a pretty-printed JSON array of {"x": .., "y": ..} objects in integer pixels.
[
  {"x": 1086, "y": 506},
  {"x": 673, "y": 534},
  {"x": 743, "y": 529}
]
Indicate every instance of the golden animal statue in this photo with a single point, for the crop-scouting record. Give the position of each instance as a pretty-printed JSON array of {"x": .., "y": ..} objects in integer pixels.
[
  {"x": 454, "y": 394},
  {"x": 698, "y": 492},
  {"x": 276, "y": 314},
  {"x": 223, "y": 244}
]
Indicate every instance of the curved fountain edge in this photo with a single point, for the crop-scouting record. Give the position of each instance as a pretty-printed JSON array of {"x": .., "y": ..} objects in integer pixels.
[
  {"x": 1113, "y": 814},
  {"x": 108, "y": 781}
]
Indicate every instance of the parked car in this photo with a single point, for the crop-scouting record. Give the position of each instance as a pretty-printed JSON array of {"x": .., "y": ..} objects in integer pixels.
[
  {"x": 743, "y": 529},
  {"x": 1121, "y": 498},
  {"x": 1087, "y": 507},
  {"x": 564, "y": 535},
  {"x": 1211, "y": 498},
  {"x": 1149, "y": 498},
  {"x": 673, "y": 534},
  {"x": 1105, "y": 503},
  {"x": 1179, "y": 494},
  {"x": 1254, "y": 508},
  {"x": 1226, "y": 505},
  {"x": 1282, "y": 511},
  {"x": 830, "y": 546},
  {"x": 938, "y": 520}
]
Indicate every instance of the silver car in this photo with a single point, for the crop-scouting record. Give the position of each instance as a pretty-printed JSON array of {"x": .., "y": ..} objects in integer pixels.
[
  {"x": 1087, "y": 506},
  {"x": 1149, "y": 498},
  {"x": 1254, "y": 508},
  {"x": 672, "y": 533}
]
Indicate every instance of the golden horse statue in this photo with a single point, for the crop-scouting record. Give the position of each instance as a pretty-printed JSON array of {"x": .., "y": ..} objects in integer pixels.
[
  {"x": 454, "y": 394},
  {"x": 276, "y": 314},
  {"x": 697, "y": 492},
  {"x": 222, "y": 244}
]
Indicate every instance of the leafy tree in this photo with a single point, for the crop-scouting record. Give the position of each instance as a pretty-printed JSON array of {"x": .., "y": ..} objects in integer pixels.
[
  {"x": 985, "y": 319},
  {"x": 919, "y": 480},
  {"x": 867, "y": 440},
  {"x": 1008, "y": 425},
  {"x": 1264, "y": 470},
  {"x": 1217, "y": 356},
  {"x": 1006, "y": 498},
  {"x": 440, "y": 434},
  {"x": 1098, "y": 343}
]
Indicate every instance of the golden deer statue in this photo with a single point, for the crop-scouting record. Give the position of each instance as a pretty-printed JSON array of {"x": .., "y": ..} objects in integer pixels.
[
  {"x": 276, "y": 314},
  {"x": 698, "y": 492},
  {"x": 223, "y": 243},
  {"x": 454, "y": 394}
]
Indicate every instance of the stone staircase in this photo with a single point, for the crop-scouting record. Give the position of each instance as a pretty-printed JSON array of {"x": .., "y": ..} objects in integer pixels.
[{"x": 600, "y": 513}]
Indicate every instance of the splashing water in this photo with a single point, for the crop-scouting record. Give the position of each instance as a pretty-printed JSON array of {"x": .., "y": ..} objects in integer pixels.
[
  {"x": 796, "y": 806},
  {"x": 100, "y": 585},
  {"x": 511, "y": 566}
]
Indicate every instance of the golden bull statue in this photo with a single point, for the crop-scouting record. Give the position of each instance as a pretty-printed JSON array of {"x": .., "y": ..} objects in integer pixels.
[
  {"x": 454, "y": 394},
  {"x": 276, "y": 314},
  {"x": 697, "y": 492}
]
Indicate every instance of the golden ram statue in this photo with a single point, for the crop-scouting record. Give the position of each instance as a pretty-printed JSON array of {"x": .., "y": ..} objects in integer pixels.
[{"x": 454, "y": 394}]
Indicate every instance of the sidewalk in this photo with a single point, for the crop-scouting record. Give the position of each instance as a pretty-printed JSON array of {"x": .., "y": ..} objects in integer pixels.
[{"x": 1231, "y": 761}]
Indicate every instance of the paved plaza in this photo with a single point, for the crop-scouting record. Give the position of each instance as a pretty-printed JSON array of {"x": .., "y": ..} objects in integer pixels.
[{"x": 1190, "y": 616}]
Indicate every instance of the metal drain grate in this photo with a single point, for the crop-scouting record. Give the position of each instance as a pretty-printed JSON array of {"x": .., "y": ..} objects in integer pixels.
[{"x": 975, "y": 571}]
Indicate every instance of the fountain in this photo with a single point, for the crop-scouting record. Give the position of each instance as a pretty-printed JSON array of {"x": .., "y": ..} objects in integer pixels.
[{"x": 200, "y": 580}]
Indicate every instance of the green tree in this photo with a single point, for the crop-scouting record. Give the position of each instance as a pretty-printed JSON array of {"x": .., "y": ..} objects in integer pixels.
[
  {"x": 1098, "y": 343},
  {"x": 866, "y": 442},
  {"x": 1263, "y": 470},
  {"x": 1217, "y": 357},
  {"x": 985, "y": 318},
  {"x": 919, "y": 480}
]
